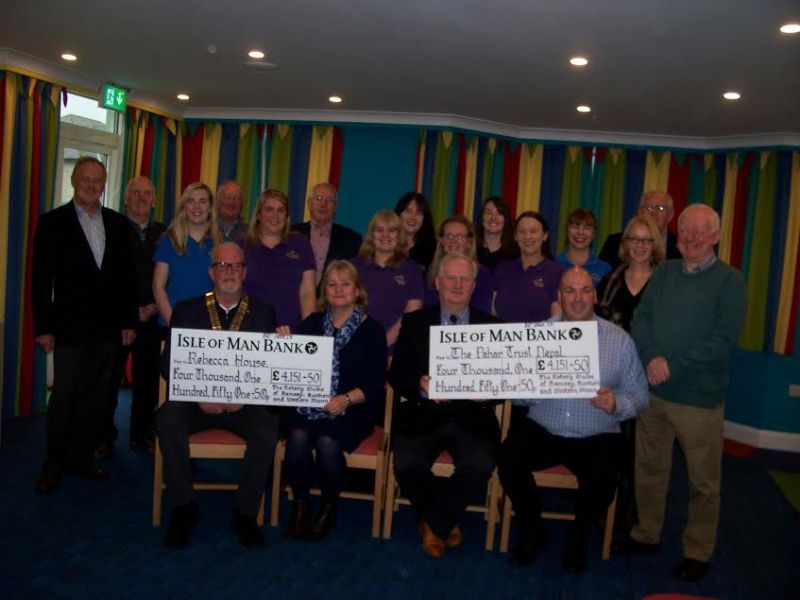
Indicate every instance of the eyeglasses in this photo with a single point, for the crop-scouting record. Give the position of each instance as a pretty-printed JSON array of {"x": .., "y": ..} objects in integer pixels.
[
  {"x": 454, "y": 237},
  {"x": 324, "y": 198},
  {"x": 639, "y": 241},
  {"x": 221, "y": 267},
  {"x": 656, "y": 208},
  {"x": 141, "y": 194}
]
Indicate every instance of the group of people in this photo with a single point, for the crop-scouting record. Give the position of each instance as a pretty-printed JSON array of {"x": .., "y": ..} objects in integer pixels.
[{"x": 105, "y": 285}]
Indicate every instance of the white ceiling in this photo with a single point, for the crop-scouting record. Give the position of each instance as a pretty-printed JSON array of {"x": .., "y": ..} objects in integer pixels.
[{"x": 657, "y": 67}]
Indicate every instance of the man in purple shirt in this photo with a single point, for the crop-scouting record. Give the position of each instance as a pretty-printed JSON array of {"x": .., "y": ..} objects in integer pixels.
[{"x": 329, "y": 240}]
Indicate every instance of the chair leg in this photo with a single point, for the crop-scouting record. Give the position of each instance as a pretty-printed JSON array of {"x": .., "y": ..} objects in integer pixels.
[
  {"x": 277, "y": 465},
  {"x": 491, "y": 510},
  {"x": 389, "y": 500},
  {"x": 609, "y": 529},
  {"x": 505, "y": 525},
  {"x": 158, "y": 482},
  {"x": 377, "y": 500}
]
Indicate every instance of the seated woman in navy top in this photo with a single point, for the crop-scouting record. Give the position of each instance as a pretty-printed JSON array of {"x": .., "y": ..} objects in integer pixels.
[
  {"x": 393, "y": 282},
  {"x": 457, "y": 237},
  {"x": 527, "y": 286},
  {"x": 357, "y": 382},
  {"x": 280, "y": 263},
  {"x": 183, "y": 254}
]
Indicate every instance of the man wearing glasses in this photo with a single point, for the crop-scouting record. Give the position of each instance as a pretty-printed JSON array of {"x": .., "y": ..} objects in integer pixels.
[
  {"x": 224, "y": 308},
  {"x": 656, "y": 205},
  {"x": 329, "y": 240}
]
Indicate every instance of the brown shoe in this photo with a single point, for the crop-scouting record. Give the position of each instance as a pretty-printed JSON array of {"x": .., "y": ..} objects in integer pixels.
[
  {"x": 454, "y": 539},
  {"x": 323, "y": 523},
  {"x": 298, "y": 522},
  {"x": 48, "y": 481},
  {"x": 432, "y": 544}
]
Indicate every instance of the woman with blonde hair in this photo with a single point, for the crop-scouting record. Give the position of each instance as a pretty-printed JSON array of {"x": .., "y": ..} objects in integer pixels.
[
  {"x": 357, "y": 388},
  {"x": 280, "y": 263},
  {"x": 393, "y": 281},
  {"x": 183, "y": 254},
  {"x": 456, "y": 236}
]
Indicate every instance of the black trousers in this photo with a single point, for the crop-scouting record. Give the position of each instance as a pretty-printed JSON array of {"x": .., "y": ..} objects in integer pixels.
[
  {"x": 441, "y": 501},
  {"x": 256, "y": 425},
  {"x": 83, "y": 377},
  {"x": 530, "y": 447}
]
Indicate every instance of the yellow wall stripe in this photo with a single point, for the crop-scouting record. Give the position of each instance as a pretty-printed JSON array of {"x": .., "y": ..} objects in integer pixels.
[
  {"x": 319, "y": 161},
  {"x": 788, "y": 283},
  {"x": 530, "y": 177},
  {"x": 209, "y": 165},
  {"x": 728, "y": 204}
]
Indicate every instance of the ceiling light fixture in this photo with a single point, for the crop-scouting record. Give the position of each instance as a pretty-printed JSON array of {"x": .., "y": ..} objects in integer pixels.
[
  {"x": 790, "y": 28},
  {"x": 335, "y": 99},
  {"x": 583, "y": 108},
  {"x": 182, "y": 97},
  {"x": 578, "y": 61},
  {"x": 255, "y": 54},
  {"x": 731, "y": 95},
  {"x": 69, "y": 57}
]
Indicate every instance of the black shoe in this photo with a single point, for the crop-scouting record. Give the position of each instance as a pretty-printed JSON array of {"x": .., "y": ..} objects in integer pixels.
[
  {"x": 89, "y": 471},
  {"x": 690, "y": 569},
  {"x": 48, "y": 481},
  {"x": 296, "y": 528},
  {"x": 145, "y": 444},
  {"x": 103, "y": 450},
  {"x": 323, "y": 522},
  {"x": 628, "y": 546},
  {"x": 574, "y": 561},
  {"x": 246, "y": 528},
  {"x": 525, "y": 552},
  {"x": 184, "y": 518}
]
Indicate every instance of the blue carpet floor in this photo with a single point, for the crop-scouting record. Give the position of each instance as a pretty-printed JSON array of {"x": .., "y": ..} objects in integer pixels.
[{"x": 94, "y": 540}]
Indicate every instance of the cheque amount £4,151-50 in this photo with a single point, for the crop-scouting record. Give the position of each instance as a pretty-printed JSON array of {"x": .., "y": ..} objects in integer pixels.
[
  {"x": 296, "y": 376},
  {"x": 564, "y": 364}
]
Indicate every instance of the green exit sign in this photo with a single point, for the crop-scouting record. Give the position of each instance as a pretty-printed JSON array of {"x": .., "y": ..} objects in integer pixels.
[{"x": 113, "y": 98}]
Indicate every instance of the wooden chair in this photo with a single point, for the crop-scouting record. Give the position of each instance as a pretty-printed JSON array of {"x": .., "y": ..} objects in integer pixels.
[
  {"x": 371, "y": 454},
  {"x": 443, "y": 467},
  {"x": 558, "y": 477},
  {"x": 211, "y": 443}
]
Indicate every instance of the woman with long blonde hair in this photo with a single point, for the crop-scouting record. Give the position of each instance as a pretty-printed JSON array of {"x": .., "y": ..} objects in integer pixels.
[{"x": 183, "y": 255}]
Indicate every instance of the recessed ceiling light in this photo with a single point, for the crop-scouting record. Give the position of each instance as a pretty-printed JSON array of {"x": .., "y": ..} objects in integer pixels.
[
  {"x": 790, "y": 28},
  {"x": 578, "y": 61},
  {"x": 335, "y": 99},
  {"x": 69, "y": 57},
  {"x": 731, "y": 95},
  {"x": 255, "y": 54},
  {"x": 583, "y": 108},
  {"x": 182, "y": 96}
]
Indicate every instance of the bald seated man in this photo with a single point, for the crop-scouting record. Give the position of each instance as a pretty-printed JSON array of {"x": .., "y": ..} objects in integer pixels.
[{"x": 581, "y": 433}]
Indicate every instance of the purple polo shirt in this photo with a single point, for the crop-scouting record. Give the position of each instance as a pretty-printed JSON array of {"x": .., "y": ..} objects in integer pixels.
[
  {"x": 481, "y": 297},
  {"x": 274, "y": 275},
  {"x": 389, "y": 288},
  {"x": 525, "y": 296}
]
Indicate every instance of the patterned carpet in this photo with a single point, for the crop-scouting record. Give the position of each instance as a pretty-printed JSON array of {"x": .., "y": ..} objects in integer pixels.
[{"x": 94, "y": 540}]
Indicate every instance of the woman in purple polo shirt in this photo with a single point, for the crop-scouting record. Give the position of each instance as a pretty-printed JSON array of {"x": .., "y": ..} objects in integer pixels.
[
  {"x": 393, "y": 281},
  {"x": 527, "y": 286},
  {"x": 280, "y": 264},
  {"x": 415, "y": 214},
  {"x": 457, "y": 237}
]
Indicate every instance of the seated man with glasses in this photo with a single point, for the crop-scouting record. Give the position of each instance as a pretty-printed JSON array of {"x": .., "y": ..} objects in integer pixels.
[
  {"x": 224, "y": 308},
  {"x": 656, "y": 205},
  {"x": 330, "y": 241}
]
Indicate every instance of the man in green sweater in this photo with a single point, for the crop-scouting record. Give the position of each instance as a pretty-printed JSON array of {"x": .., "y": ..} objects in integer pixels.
[{"x": 686, "y": 328}]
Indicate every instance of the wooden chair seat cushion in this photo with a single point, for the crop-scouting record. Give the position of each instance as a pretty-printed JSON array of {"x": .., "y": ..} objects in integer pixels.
[{"x": 216, "y": 436}]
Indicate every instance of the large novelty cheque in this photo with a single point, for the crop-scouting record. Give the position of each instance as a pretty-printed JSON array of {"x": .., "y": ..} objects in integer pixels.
[
  {"x": 514, "y": 360},
  {"x": 249, "y": 368}
]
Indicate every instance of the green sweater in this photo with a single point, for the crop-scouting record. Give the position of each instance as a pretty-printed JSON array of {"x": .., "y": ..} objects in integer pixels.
[{"x": 694, "y": 321}]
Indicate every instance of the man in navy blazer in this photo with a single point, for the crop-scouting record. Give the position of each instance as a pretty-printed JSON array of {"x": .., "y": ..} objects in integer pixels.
[
  {"x": 328, "y": 240},
  {"x": 84, "y": 310},
  {"x": 467, "y": 429}
]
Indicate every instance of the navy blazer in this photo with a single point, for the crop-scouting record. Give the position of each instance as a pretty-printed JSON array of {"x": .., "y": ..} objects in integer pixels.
[
  {"x": 345, "y": 242},
  {"x": 72, "y": 298},
  {"x": 410, "y": 363}
]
